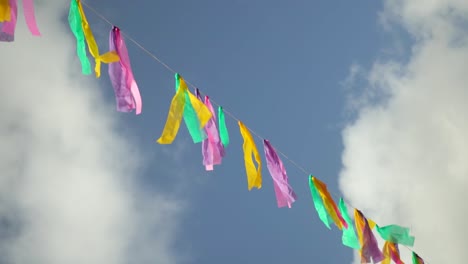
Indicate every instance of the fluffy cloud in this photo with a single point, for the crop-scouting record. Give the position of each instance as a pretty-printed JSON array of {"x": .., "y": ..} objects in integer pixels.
[
  {"x": 66, "y": 188},
  {"x": 405, "y": 154}
]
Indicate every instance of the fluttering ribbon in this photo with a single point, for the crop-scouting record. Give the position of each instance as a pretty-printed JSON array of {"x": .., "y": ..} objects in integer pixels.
[
  {"x": 212, "y": 148},
  {"x": 28, "y": 9},
  {"x": 369, "y": 248},
  {"x": 223, "y": 131},
  {"x": 391, "y": 252},
  {"x": 7, "y": 28},
  {"x": 285, "y": 195},
  {"x": 329, "y": 204},
  {"x": 254, "y": 175},
  {"x": 417, "y": 259},
  {"x": 396, "y": 234},
  {"x": 349, "y": 237},
  {"x": 74, "y": 20},
  {"x": 92, "y": 45},
  {"x": 127, "y": 94},
  {"x": 192, "y": 120},
  {"x": 5, "y": 11}
]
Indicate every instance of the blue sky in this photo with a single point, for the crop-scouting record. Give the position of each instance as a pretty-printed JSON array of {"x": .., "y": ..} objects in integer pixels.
[{"x": 277, "y": 66}]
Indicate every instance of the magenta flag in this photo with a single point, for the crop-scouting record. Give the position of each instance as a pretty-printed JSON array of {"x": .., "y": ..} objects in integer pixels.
[
  {"x": 127, "y": 94},
  {"x": 212, "y": 147},
  {"x": 28, "y": 9},
  {"x": 285, "y": 195}
]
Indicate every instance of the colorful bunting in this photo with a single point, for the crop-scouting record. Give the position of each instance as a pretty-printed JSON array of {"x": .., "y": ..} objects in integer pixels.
[
  {"x": 200, "y": 119},
  {"x": 396, "y": 234},
  {"x": 391, "y": 252},
  {"x": 192, "y": 121},
  {"x": 92, "y": 45},
  {"x": 329, "y": 204},
  {"x": 349, "y": 237},
  {"x": 254, "y": 176},
  {"x": 417, "y": 259},
  {"x": 285, "y": 195},
  {"x": 318, "y": 203},
  {"x": 223, "y": 132},
  {"x": 7, "y": 28},
  {"x": 74, "y": 20},
  {"x": 212, "y": 148},
  {"x": 127, "y": 94},
  {"x": 369, "y": 248}
]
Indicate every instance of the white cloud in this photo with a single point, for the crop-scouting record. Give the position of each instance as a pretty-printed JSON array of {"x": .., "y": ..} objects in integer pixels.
[
  {"x": 67, "y": 189},
  {"x": 405, "y": 156}
]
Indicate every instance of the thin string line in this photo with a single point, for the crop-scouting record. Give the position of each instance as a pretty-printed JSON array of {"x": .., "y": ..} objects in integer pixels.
[{"x": 295, "y": 164}]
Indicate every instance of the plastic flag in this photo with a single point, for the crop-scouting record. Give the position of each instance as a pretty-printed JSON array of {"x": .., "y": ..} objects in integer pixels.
[
  {"x": 329, "y": 204},
  {"x": 192, "y": 121},
  {"x": 369, "y": 248},
  {"x": 126, "y": 90},
  {"x": 396, "y": 234},
  {"x": 7, "y": 28},
  {"x": 349, "y": 237},
  {"x": 391, "y": 252},
  {"x": 318, "y": 203},
  {"x": 285, "y": 195},
  {"x": 254, "y": 175},
  {"x": 28, "y": 9},
  {"x": 92, "y": 45},
  {"x": 417, "y": 259},
  {"x": 5, "y": 11},
  {"x": 222, "y": 127},
  {"x": 74, "y": 20}
]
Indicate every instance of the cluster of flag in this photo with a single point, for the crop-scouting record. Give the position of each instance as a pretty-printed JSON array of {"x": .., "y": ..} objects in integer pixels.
[{"x": 206, "y": 127}]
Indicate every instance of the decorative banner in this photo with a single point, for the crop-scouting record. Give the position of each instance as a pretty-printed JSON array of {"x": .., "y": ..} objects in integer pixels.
[
  {"x": 396, "y": 234},
  {"x": 349, "y": 237},
  {"x": 28, "y": 9},
  {"x": 391, "y": 252},
  {"x": 5, "y": 11},
  {"x": 370, "y": 249},
  {"x": 127, "y": 94},
  {"x": 92, "y": 45},
  {"x": 285, "y": 195},
  {"x": 74, "y": 20},
  {"x": 7, "y": 28},
  {"x": 212, "y": 149},
  {"x": 417, "y": 259},
  {"x": 329, "y": 204},
  {"x": 223, "y": 131},
  {"x": 254, "y": 176},
  {"x": 192, "y": 121}
]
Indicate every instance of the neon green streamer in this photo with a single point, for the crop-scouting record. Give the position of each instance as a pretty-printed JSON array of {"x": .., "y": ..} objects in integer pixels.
[
  {"x": 191, "y": 118},
  {"x": 318, "y": 203},
  {"x": 74, "y": 20},
  {"x": 396, "y": 234},
  {"x": 349, "y": 237},
  {"x": 223, "y": 132}
]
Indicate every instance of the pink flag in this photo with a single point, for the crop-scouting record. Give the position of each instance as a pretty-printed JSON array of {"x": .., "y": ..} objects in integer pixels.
[
  {"x": 28, "y": 9},
  {"x": 212, "y": 147},
  {"x": 285, "y": 195},
  {"x": 127, "y": 94}
]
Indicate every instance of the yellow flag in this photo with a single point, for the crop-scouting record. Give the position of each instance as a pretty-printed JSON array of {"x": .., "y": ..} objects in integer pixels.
[
  {"x": 387, "y": 253},
  {"x": 360, "y": 224},
  {"x": 328, "y": 202},
  {"x": 174, "y": 117},
  {"x": 371, "y": 223},
  {"x": 5, "y": 11},
  {"x": 108, "y": 57},
  {"x": 203, "y": 113},
  {"x": 254, "y": 176}
]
